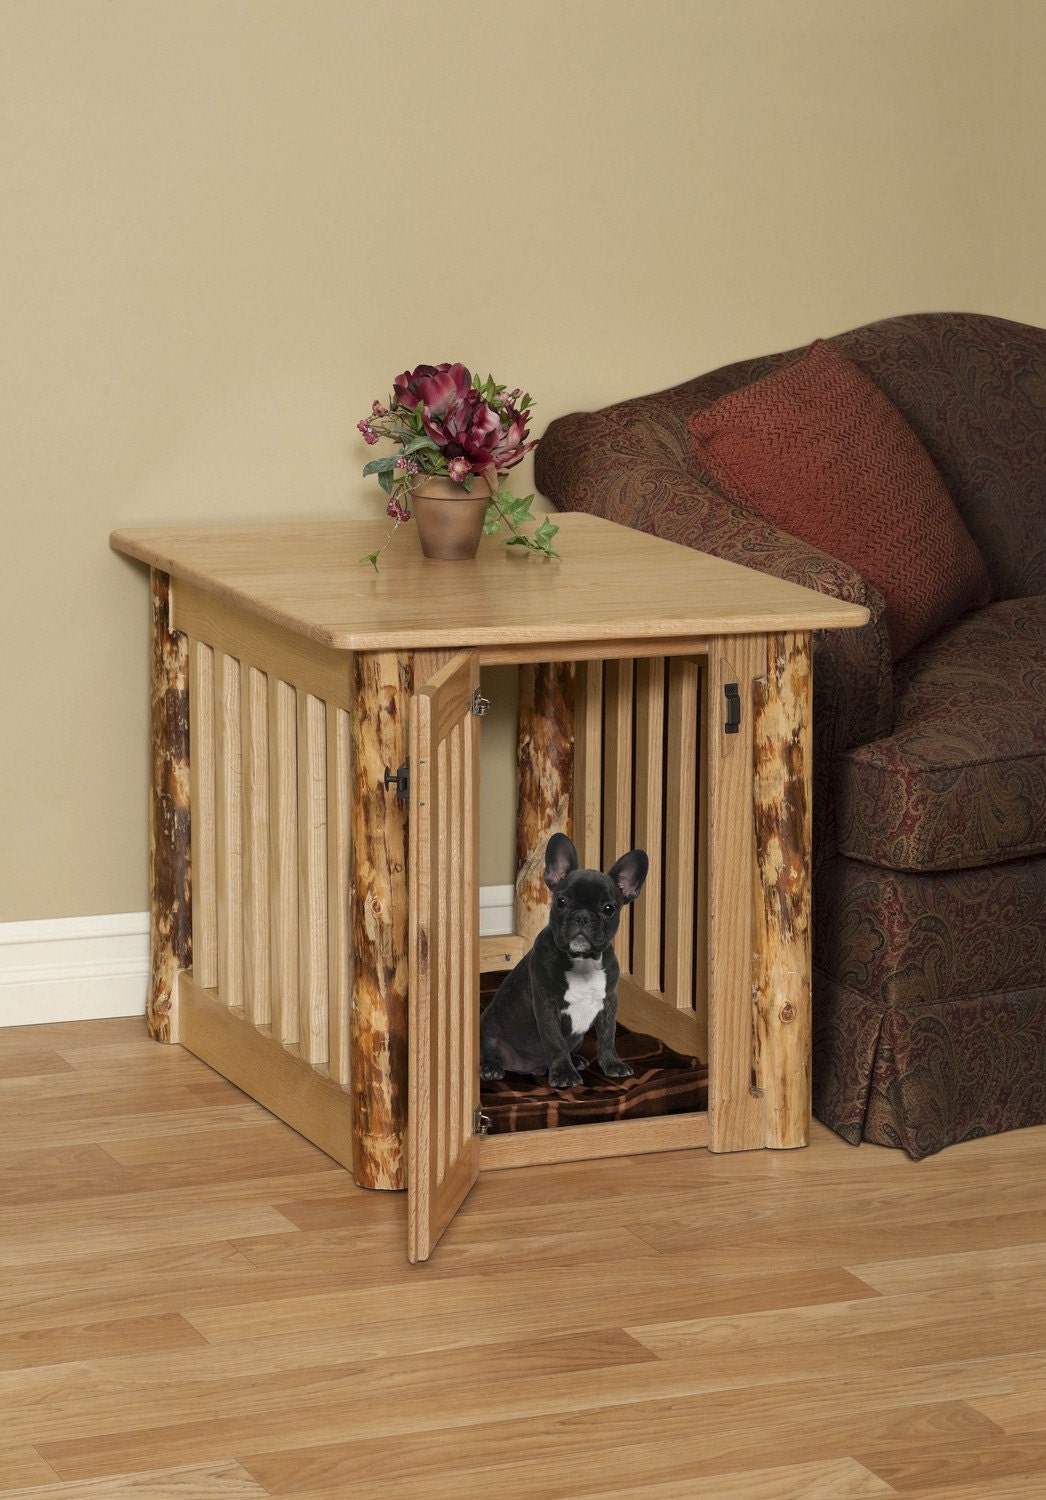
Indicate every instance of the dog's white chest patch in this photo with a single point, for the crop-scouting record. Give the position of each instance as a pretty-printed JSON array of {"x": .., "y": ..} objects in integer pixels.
[{"x": 586, "y": 992}]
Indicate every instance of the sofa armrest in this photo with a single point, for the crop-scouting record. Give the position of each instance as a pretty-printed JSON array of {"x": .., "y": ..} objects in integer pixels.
[{"x": 594, "y": 461}]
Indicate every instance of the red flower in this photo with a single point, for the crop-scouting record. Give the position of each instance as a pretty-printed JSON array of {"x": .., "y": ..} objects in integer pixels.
[
  {"x": 433, "y": 387},
  {"x": 470, "y": 431}
]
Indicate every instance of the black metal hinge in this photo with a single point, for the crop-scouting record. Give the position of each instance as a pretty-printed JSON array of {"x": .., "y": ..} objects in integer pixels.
[
  {"x": 400, "y": 779},
  {"x": 733, "y": 708}
]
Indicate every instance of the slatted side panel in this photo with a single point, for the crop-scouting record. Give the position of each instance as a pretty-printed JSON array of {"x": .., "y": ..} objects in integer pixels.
[
  {"x": 639, "y": 784},
  {"x": 443, "y": 1149},
  {"x": 455, "y": 947},
  {"x": 270, "y": 769}
]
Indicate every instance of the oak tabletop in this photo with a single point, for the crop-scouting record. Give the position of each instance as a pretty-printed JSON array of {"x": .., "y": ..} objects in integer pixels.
[{"x": 609, "y": 583}]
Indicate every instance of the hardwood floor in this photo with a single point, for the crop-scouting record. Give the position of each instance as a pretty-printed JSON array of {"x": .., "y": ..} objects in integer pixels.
[{"x": 195, "y": 1303}]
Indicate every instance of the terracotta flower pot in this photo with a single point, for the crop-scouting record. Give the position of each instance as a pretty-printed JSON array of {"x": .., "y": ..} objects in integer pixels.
[{"x": 449, "y": 517}]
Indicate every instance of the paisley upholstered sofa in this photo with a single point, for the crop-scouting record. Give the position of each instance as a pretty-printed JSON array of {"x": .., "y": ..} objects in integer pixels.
[{"x": 930, "y": 741}]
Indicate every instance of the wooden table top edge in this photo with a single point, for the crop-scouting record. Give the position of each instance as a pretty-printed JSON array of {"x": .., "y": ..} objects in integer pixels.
[{"x": 158, "y": 547}]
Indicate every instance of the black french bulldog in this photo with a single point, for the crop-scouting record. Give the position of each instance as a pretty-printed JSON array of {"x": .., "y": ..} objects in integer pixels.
[{"x": 568, "y": 981}]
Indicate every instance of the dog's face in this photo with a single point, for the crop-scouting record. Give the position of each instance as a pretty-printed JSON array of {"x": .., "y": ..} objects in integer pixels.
[{"x": 586, "y": 905}]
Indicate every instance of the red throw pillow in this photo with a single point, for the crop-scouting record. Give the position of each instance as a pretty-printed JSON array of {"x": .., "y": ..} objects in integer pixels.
[{"x": 816, "y": 448}]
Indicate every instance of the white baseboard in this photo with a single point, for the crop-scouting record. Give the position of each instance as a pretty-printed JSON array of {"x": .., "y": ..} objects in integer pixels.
[
  {"x": 73, "y": 968},
  {"x": 90, "y": 968},
  {"x": 497, "y": 913}
]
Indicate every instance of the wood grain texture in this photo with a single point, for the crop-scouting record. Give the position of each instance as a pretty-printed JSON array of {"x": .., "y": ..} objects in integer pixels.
[
  {"x": 283, "y": 859},
  {"x": 443, "y": 1154},
  {"x": 170, "y": 859},
  {"x": 306, "y": 577},
  {"x": 545, "y": 766},
  {"x": 781, "y": 906},
  {"x": 201, "y": 784},
  {"x": 649, "y": 797},
  {"x": 228, "y": 826},
  {"x": 736, "y": 1107},
  {"x": 313, "y": 988},
  {"x": 178, "y": 1321},
  {"x": 259, "y": 643},
  {"x": 587, "y": 811},
  {"x": 618, "y": 772},
  {"x": 277, "y": 1077},
  {"x": 682, "y": 852},
  {"x": 382, "y": 686}
]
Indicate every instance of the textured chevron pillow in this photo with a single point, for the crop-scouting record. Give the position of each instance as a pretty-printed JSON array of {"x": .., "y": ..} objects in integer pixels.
[{"x": 816, "y": 448}]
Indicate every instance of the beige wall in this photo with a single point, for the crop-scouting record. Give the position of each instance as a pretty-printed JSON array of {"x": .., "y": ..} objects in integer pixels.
[{"x": 228, "y": 223}]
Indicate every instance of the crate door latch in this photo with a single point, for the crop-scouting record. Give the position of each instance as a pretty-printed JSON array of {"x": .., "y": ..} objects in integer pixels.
[
  {"x": 400, "y": 779},
  {"x": 733, "y": 708}
]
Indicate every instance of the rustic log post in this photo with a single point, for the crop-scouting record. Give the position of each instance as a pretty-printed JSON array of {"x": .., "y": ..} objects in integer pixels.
[
  {"x": 169, "y": 850},
  {"x": 381, "y": 688},
  {"x": 782, "y": 905},
  {"x": 545, "y": 758}
]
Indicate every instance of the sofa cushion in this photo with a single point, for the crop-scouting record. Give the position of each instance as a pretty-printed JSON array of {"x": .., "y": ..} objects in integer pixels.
[
  {"x": 961, "y": 781},
  {"x": 818, "y": 449}
]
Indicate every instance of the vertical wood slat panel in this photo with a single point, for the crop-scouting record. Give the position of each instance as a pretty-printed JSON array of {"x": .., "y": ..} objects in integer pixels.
[
  {"x": 455, "y": 873},
  {"x": 680, "y": 797},
  {"x": 312, "y": 879},
  {"x": 700, "y": 971},
  {"x": 470, "y": 743},
  {"x": 283, "y": 860},
  {"x": 617, "y": 792},
  {"x": 257, "y": 984},
  {"x": 648, "y": 774},
  {"x": 339, "y": 935},
  {"x": 441, "y": 969},
  {"x": 588, "y": 764},
  {"x": 201, "y": 776},
  {"x": 736, "y": 1108},
  {"x": 228, "y": 828}
]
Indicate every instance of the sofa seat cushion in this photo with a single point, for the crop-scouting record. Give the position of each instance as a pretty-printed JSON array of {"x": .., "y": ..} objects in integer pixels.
[
  {"x": 961, "y": 781},
  {"x": 816, "y": 448}
]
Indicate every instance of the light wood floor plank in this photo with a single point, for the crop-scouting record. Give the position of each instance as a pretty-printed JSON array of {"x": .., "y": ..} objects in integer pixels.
[
  {"x": 226, "y": 1481},
  {"x": 836, "y": 1479},
  {"x": 22, "y": 1471},
  {"x": 194, "y": 1303}
]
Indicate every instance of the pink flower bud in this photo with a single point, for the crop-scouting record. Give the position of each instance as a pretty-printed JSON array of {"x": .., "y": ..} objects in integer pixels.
[
  {"x": 459, "y": 469},
  {"x": 369, "y": 436},
  {"x": 377, "y": 410}
]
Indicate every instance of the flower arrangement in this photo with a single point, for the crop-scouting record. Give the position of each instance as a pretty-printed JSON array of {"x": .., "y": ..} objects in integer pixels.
[{"x": 448, "y": 422}]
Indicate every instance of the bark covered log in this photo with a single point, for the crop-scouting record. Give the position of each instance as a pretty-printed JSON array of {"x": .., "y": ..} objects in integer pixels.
[
  {"x": 545, "y": 758},
  {"x": 782, "y": 914},
  {"x": 169, "y": 845},
  {"x": 382, "y": 683}
]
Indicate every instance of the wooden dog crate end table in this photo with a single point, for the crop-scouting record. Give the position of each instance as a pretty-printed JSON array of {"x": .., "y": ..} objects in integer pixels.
[{"x": 316, "y": 940}]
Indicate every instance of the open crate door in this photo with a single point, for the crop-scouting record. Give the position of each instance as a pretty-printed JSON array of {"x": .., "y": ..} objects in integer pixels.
[{"x": 442, "y": 1147}]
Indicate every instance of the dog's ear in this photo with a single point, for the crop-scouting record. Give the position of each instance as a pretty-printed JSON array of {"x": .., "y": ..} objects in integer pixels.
[
  {"x": 629, "y": 872},
  {"x": 560, "y": 860}
]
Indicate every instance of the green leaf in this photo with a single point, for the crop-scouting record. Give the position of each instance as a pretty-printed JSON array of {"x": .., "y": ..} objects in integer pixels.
[
  {"x": 545, "y": 532},
  {"x": 372, "y": 558},
  {"x": 514, "y": 508},
  {"x": 387, "y": 482},
  {"x": 378, "y": 466}
]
